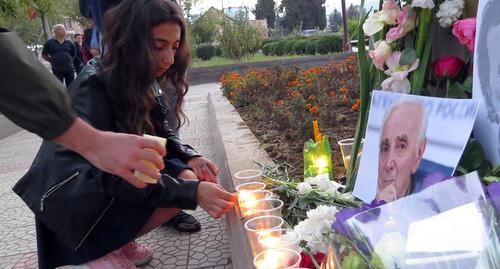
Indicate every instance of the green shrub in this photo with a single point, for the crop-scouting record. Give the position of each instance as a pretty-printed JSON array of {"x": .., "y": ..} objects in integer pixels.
[
  {"x": 279, "y": 50},
  {"x": 239, "y": 39},
  {"x": 311, "y": 47},
  {"x": 328, "y": 44},
  {"x": 205, "y": 51},
  {"x": 272, "y": 50},
  {"x": 299, "y": 47},
  {"x": 266, "y": 49},
  {"x": 218, "y": 51},
  {"x": 269, "y": 41},
  {"x": 289, "y": 47}
]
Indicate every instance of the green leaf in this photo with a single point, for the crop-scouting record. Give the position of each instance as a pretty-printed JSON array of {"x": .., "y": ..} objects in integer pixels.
[
  {"x": 294, "y": 203},
  {"x": 467, "y": 85},
  {"x": 495, "y": 171},
  {"x": 408, "y": 57},
  {"x": 491, "y": 179},
  {"x": 457, "y": 91},
  {"x": 473, "y": 156},
  {"x": 462, "y": 170}
]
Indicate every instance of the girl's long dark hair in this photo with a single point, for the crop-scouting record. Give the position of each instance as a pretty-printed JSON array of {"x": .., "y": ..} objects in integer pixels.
[{"x": 129, "y": 62}]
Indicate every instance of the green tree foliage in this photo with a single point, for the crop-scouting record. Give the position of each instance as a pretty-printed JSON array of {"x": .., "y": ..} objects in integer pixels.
[
  {"x": 354, "y": 12},
  {"x": 204, "y": 28},
  {"x": 335, "y": 19},
  {"x": 264, "y": 9},
  {"x": 15, "y": 15},
  {"x": 238, "y": 39},
  {"x": 303, "y": 14}
]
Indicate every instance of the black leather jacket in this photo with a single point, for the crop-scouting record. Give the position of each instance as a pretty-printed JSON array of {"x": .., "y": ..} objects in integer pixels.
[{"x": 69, "y": 195}]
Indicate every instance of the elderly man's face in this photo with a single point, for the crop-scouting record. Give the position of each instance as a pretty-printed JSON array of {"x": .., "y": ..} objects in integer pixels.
[
  {"x": 60, "y": 31},
  {"x": 399, "y": 155}
]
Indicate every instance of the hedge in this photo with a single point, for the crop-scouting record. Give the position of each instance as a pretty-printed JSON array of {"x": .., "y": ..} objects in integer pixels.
[
  {"x": 266, "y": 49},
  {"x": 299, "y": 47},
  {"x": 311, "y": 47},
  {"x": 206, "y": 51}
]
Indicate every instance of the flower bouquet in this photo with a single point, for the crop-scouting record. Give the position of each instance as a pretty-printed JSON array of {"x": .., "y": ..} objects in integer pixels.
[
  {"x": 448, "y": 225},
  {"x": 401, "y": 32}
]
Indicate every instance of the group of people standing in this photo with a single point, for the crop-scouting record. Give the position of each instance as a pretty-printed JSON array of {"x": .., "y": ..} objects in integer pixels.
[{"x": 66, "y": 57}]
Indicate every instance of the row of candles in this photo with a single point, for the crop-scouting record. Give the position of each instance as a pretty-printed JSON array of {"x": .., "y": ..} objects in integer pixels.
[{"x": 272, "y": 246}]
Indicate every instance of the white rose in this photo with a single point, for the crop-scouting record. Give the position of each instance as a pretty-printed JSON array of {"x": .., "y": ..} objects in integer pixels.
[
  {"x": 304, "y": 188},
  {"x": 423, "y": 4}
]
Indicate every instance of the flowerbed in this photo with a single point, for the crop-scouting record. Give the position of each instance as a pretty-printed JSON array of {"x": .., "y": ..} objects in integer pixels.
[{"x": 279, "y": 105}]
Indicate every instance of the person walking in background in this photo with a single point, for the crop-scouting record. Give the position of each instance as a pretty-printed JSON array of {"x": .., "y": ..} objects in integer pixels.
[
  {"x": 60, "y": 53},
  {"x": 78, "y": 61}
]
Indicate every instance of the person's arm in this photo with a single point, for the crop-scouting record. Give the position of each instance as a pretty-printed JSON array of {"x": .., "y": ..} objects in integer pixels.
[
  {"x": 115, "y": 153},
  {"x": 45, "y": 52}
]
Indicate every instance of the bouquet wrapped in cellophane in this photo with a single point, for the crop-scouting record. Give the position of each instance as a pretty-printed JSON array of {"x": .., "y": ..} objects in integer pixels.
[{"x": 448, "y": 225}]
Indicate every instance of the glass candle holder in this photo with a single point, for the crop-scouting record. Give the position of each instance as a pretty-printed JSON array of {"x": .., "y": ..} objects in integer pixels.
[
  {"x": 248, "y": 176},
  {"x": 277, "y": 259},
  {"x": 265, "y": 207},
  {"x": 248, "y": 198},
  {"x": 346, "y": 149},
  {"x": 260, "y": 226},
  {"x": 280, "y": 238},
  {"x": 250, "y": 186}
]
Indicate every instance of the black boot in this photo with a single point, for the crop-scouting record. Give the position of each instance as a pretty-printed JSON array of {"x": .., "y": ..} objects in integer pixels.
[{"x": 184, "y": 222}]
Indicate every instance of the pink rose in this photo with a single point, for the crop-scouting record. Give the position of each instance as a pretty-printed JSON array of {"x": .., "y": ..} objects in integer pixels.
[
  {"x": 447, "y": 67},
  {"x": 406, "y": 23},
  {"x": 465, "y": 31}
]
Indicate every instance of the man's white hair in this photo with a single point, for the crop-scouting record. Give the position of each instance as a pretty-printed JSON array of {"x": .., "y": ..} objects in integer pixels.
[
  {"x": 57, "y": 26},
  {"x": 404, "y": 101}
]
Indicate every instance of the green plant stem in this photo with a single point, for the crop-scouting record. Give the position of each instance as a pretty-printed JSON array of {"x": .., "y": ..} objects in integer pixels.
[
  {"x": 448, "y": 86},
  {"x": 423, "y": 47},
  {"x": 364, "y": 92}
]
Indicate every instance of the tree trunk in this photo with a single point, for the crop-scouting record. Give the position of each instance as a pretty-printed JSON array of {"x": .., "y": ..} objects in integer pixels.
[
  {"x": 347, "y": 44},
  {"x": 45, "y": 26}
]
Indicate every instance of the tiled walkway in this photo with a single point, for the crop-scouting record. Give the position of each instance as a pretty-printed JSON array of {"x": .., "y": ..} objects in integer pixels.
[{"x": 206, "y": 249}]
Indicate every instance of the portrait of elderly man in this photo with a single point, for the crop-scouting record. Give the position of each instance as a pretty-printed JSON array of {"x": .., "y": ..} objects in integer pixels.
[{"x": 401, "y": 147}]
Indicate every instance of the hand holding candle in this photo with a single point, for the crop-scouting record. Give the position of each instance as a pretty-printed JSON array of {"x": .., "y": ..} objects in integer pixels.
[{"x": 142, "y": 176}]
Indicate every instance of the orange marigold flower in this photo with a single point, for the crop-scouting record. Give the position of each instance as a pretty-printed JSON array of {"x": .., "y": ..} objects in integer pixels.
[
  {"x": 309, "y": 81},
  {"x": 312, "y": 98},
  {"x": 314, "y": 110},
  {"x": 308, "y": 106},
  {"x": 344, "y": 90},
  {"x": 232, "y": 93},
  {"x": 281, "y": 102},
  {"x": 356, "y": 105}
]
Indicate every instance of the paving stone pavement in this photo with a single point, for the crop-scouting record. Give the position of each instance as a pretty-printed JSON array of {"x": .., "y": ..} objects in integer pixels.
[{"x": 206, "y": 249}]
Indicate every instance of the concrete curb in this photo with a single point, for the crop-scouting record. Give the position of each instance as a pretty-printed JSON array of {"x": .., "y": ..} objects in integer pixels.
[{"x": 236, "y": 149}]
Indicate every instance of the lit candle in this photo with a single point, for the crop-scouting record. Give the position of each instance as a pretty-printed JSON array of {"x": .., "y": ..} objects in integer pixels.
[
  {"x": 270, "y": 241},
  {"x": 246, "y": 200},
  {"x": 321, "y": 163},
  {"x": 277, "y": 259}
]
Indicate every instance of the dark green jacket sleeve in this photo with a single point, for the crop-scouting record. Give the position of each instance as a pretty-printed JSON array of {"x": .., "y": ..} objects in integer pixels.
[{"x": 30, "y": 96}]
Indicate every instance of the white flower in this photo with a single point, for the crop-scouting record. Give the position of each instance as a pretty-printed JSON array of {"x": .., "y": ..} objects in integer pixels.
[
  {"x": 397, "y": 80},
  {"x": 304, "y": 188},
  {"x": 423, "y": 4},
  {"x": 322, "y": 212},
  {"x": 449, "y": 12},
  {"x": 388, "y": 15},
  {"x": 317, "y": 227},
  {"x": 390, "y": 251}
]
